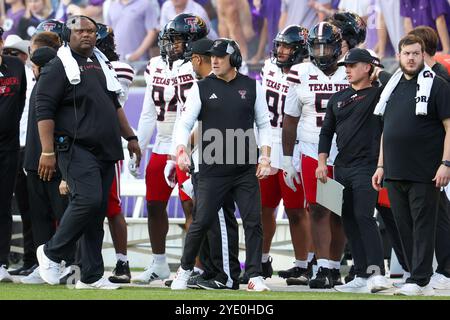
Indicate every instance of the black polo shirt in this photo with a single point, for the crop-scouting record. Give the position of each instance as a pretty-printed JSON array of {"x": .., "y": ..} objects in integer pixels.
[
  {"x": 350, "y": 115},
  {"x": 13, "y": 87},
  {"x": 412, "y": 144},
  {"x": 87, "y": 111}
]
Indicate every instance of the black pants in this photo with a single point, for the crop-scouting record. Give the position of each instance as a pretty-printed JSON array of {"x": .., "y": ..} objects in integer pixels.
[
  {"x": 415, "y": 209},
  {"x": 358, "y": 220},
  {"x": 443, "y": 236},
  {"x": 442, "y": 249},
  {"x": 48, "y": 206},
  {"x": 393, "y": 234},
  {"x": 219, "y": 251},
  {"x": 212, "y": 192},
  {"x": 9, "y": 161},
  {"x": 89, "y": 181},
  {"x": 21, "y": 195}
]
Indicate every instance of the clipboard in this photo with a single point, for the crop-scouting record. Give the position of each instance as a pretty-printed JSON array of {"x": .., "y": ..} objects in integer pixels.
[{"x": 330, "y": 195}]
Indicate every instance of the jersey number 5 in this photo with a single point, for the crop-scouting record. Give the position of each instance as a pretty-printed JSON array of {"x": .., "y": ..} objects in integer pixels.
[{"x": 321, "y": 106}]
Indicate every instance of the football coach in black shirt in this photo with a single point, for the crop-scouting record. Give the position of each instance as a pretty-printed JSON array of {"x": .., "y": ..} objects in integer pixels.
[
  {"x": 350, "y": 115},
  {"x": 227, "y": 104},
  {"x": 86, "y": 122},
  {"x": 13, "y": 86},
  {"x": 415, "y": 157}
]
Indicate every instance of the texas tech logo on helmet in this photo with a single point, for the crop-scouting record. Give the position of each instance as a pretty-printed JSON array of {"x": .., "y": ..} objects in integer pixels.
[
  {"x": 49, "y": 26},
  {"x": 194, "y": 23}
]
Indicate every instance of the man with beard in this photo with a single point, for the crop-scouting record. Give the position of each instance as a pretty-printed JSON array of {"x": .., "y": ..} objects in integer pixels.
[{"x": 415, "y": 157}]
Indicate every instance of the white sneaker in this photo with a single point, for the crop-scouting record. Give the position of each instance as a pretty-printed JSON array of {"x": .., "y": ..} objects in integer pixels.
[
  {"x": 4, "y": 275},
  {"x": 102, "y": 284},
  {"x": 157, "y": 271},
  {"x": 257, "y": 284},
  {"x": 49, "y": 270},
  {"x": 357, "y": 285},
  {"x": 33, "y": 278},
  {"x": 378, "y": 283},
  {"x": 439, "y": 281},
  {"x": 181, "y": 279},
  {"x": 412, "y": 289}
]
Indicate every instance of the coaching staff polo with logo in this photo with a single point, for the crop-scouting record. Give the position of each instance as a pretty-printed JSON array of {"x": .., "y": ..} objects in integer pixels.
[
  {"x": 13, "y": 86},
  {"x": 86, "y": 120},
  {"x": 227, "y": 104},
  {"x": 414, "y": 157}
]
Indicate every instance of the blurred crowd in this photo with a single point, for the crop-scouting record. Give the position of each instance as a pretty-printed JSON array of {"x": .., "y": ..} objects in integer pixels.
[{"x": 252, "y": 23}]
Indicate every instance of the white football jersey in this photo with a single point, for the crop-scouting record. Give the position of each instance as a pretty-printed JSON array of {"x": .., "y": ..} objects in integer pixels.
[
  {"x": 165, "y": 87},
  {"x": 308, "y": 98},
  {"x": 125, "y": 74},
  {"x": 275, "y": 84}
]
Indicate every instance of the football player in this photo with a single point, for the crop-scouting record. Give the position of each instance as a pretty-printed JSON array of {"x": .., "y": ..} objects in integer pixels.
[
  {"x": 289, "y": 48},
  {"x": 166, "y": 86},
  {"x": 312, "y": 85}
]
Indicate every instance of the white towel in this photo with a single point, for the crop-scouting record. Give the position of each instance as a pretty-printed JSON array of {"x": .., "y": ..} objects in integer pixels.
[
  {"x": 112, "y": 82},
  {"x": 424, "y": 84},
  {"x": 73, "y": 71},
  {"x": 70, "y": 64}
]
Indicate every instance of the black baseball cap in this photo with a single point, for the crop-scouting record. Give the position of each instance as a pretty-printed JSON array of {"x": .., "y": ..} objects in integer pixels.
[
  {"x": 221, "y": 47},
  {"x": 202, "y": 46},
  {"x": 356, "y": 55}
]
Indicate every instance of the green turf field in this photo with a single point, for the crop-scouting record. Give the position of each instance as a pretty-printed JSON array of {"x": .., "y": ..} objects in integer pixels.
[{"x": 10, "y": 291}]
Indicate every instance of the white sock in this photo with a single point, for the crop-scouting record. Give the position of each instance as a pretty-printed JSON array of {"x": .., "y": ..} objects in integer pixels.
[
  {"x": 323, "y": 263},
  {"x": 301, "y": 264},
  {"x": 121, "y": 257},
  {"x": 265, "y": 257},
  {"x": 310, "y": 256},
  {"x": 159, "y": 258},
  {"x": 199, "y": 270},
  {"x": 334, "y": 264}
]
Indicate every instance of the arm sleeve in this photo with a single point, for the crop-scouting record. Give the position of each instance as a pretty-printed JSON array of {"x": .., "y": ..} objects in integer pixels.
[
  {"x": 328, "y": 129},
  {"x": 189, "y": 115},
  {"x": 404, "y": 11},
  {"x": 439, "y": 7},
  {"x": 293, "y": 106},
  {"x": 50, "y": 90},
  {"x": 147, "y": 120},
  {"x": 151, "y": 16},
  {"x": 163, "y": 19},
  {"x": 262, "y": 117}
]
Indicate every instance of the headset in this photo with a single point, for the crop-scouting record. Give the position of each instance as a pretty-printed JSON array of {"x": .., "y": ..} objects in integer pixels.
[
  {"x": 66, "y": 30},
  {"x": 235, "y": 55},
  {"x": 232, "y": 49}
]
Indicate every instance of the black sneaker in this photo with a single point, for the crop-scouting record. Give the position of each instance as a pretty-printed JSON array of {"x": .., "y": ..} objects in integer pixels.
[
  {"x": 23, "y": 271},
  {"x": 121, "y": 273},
  {"x": 194, "y": 279},
  {"x": 244, "y": 278},
  {"x": 210, "y": 284},
  {"x": 336, "y": 279},
  {"x": 351, "y": 275},
  {"x": 294, "y": 272},
  {"x": 322, "y": 279},
  {"x": 267, "y": 269}
]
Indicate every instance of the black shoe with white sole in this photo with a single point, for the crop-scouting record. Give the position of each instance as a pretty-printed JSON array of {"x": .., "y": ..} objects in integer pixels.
[{"x": 322, "y": 279}]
